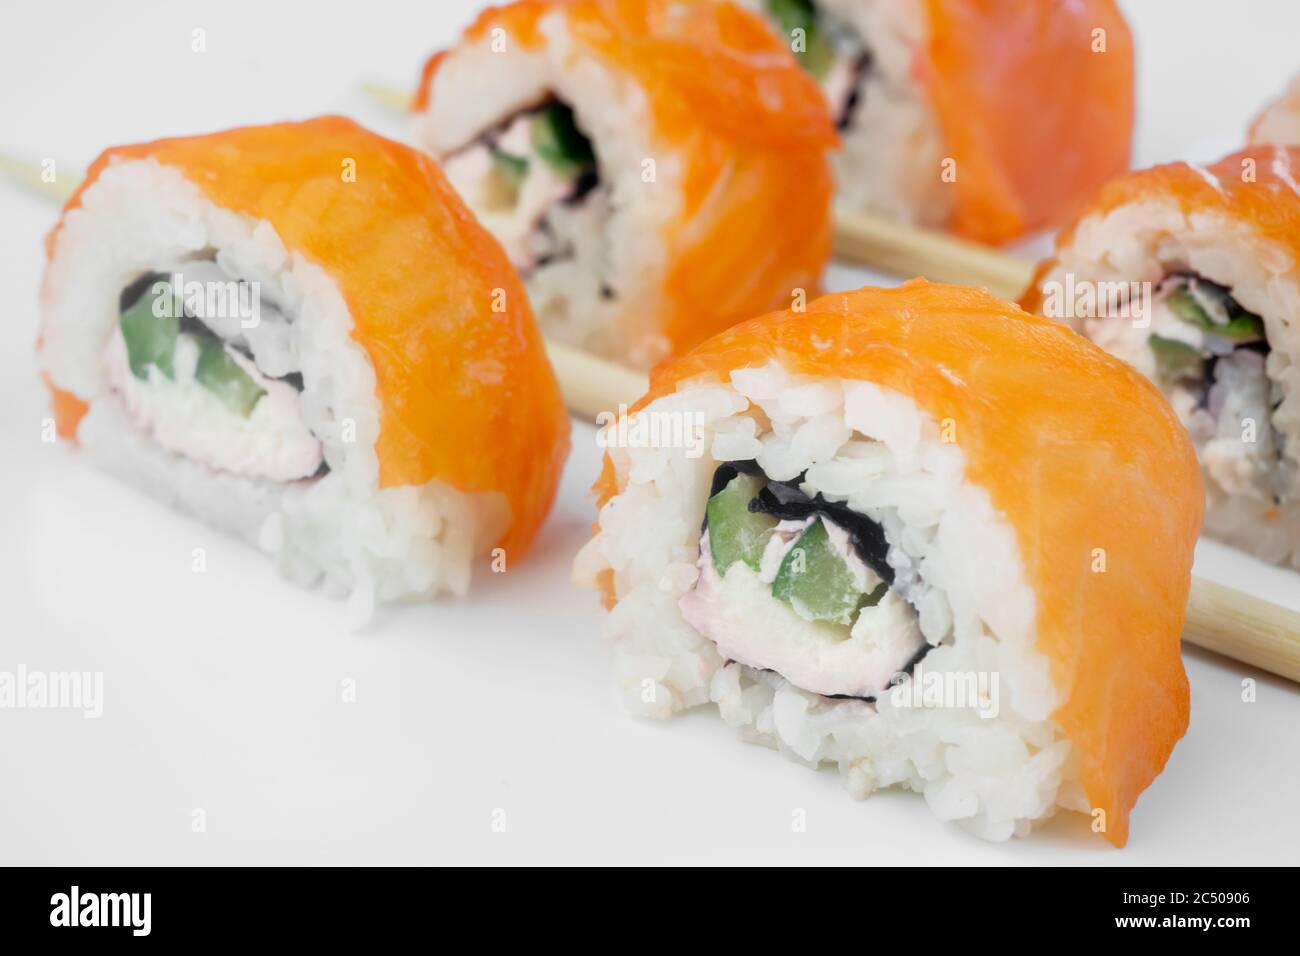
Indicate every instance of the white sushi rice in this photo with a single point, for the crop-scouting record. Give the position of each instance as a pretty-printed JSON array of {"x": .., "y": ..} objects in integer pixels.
[
  {"x": 611, "y": 230},
  {"x": 877, "y": 451},
  {"x": 892, "y": 155},
  {"x": 1146, "y": 241},
  {"x": 340, "y": 530}
]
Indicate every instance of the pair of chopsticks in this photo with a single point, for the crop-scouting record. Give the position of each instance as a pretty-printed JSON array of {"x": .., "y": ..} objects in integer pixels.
[{"x": 1219, "y": 618}]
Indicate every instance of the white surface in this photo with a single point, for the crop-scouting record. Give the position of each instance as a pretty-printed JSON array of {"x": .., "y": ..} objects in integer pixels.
[{"x": 223, "y": 690}]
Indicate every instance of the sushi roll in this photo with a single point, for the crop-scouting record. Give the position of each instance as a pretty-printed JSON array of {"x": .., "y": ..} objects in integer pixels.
[
  {"x": 1279, "y": 122},
  {"x": 299, "y": 334},
  {"x": 1188, "y": 273},
  {"x": 988, "y": 119},
  {"x": 897, "y": 546},
  {"x": 656, "y": 169}
]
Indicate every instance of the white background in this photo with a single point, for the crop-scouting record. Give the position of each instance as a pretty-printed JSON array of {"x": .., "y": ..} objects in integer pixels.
[{"x": 223, "y": 690}]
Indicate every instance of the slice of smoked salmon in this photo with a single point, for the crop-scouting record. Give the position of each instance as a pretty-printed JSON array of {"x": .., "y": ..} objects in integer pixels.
[{"x": 1035, "y": 104}]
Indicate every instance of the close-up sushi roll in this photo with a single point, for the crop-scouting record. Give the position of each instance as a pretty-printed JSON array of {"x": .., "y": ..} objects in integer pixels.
[
  {"x": 898, "y": 487},
  {"x": 991, "y": 119},
  {"x": 656, "y": 169},
  {"x": 1188, "y": 273},
  {"x": 293, "y": 332}
]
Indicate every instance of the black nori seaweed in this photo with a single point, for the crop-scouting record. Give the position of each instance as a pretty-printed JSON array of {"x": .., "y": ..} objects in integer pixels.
[
  {"x": 294, "y": 380},
  {"x": 870, "y": 698},
  {"x": 722, "y": 476},
  {"x": 785, "y": 501},
  {"x": 907, "y": 669},
  {"x": 861, "y": 68},
  {"x": 587, "y": 181},
  {"x": 728, "y": 470},
  {"x": 131, "y": 294}
]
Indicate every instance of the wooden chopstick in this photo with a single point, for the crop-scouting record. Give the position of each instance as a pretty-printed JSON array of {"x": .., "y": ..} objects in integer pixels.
[
  {"x": 1243, "y": 627},
  {"x": 593, "y": 385},
  {"x": 390, "y": 97},
  {"x": 1219, "y": 618},
  {"x": 909, "y": 251},
  {"x": 31, "y": 176}
]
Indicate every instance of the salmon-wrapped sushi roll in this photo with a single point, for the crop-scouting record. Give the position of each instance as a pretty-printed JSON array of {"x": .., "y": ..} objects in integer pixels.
[
  {"x": 991, "y": 118},
  {"x": 299, "y": 334},
  {"x": 894, "y": 543},
  {"x": 1279, "y": 122},
  {"x": 656, "y": 169},
  {"x": 1189, "y": 273}
]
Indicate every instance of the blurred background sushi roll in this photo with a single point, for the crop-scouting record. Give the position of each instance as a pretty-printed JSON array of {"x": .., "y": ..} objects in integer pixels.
[
  {"x": 992, "y": 118},
  {"x": 899, "y": 490},
  {"x": 656, "y": 169},
  {"x": 1279, "y": 121},
  {"x": 1189, "y": 273},
  {"x": 297, "y": 333}
]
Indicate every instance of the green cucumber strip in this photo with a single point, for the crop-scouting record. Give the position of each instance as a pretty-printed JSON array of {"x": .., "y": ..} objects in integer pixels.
[
  {"x": 150, "y": 339},
  {"x": 1184, "y": 306},
  {"x": 1176, "y": 360},
  {"x": 735, "y": 532},
  {"x": 1242, "y": 326},
  {"x": 875, "y": 597},
  {"x": 221, "y": 375},
  {"x": 559, "y": 142},
  {"x": 790, "y": 15},
  {"x": 816, "y": 581},
  {"x": 510, "y": 169}
]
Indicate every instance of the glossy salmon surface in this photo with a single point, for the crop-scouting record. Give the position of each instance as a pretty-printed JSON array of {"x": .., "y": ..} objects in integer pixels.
[{"x": 1035, "y": 102}]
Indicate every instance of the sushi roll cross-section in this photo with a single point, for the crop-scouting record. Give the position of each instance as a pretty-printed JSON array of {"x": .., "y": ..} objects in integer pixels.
[
  {"x": 656, "y": 169},
  {"x": 991, "y": 118},
  {"x": 298, "y": 333},
  {"x": 1191, "y": 274},
  {"x": 918, "y": 534}
]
